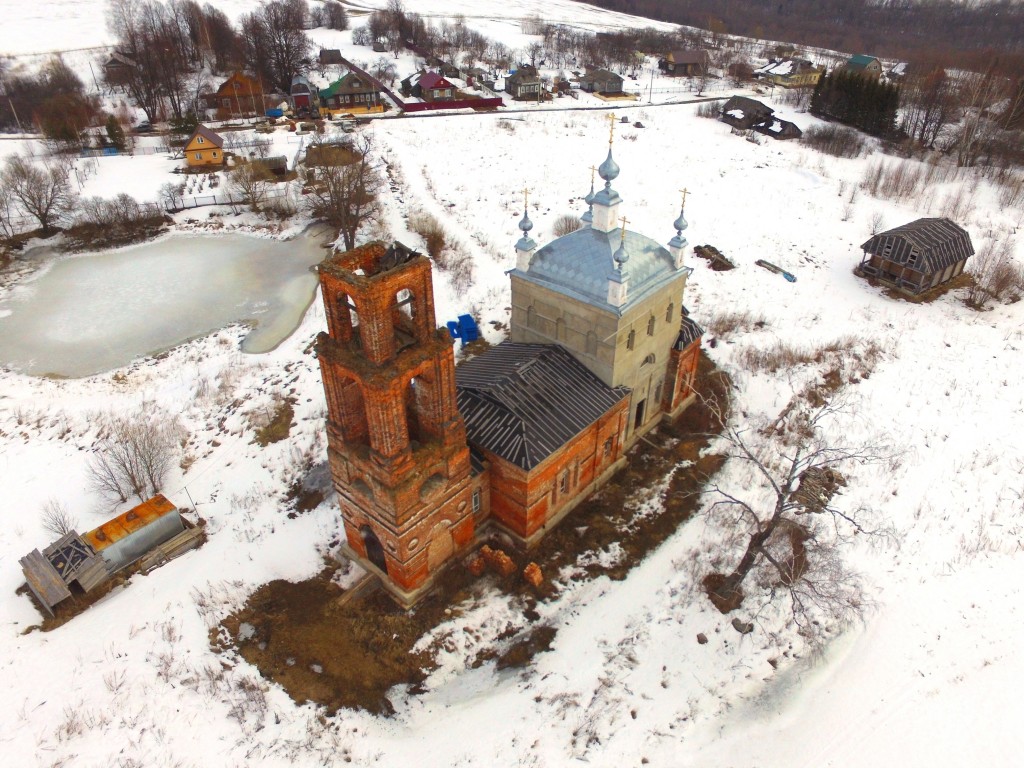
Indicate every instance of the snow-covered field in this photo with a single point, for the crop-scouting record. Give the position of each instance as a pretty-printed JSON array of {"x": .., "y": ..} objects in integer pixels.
[{"x": 929, "y": 679}]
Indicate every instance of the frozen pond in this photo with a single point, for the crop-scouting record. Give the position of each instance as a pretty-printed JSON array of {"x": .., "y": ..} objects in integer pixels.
[{"x": 91, "y": 313}]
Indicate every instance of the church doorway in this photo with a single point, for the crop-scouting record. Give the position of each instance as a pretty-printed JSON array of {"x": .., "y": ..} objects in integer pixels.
[
  {"x": 374, "y": 549},
  {"x": 641, "y": 408}
]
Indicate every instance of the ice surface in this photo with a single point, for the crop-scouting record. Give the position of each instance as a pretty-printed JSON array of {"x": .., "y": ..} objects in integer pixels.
[{"x": 95, "y": 312}]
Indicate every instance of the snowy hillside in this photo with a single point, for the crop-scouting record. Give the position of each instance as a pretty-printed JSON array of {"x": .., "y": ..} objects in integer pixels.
[{"x": 929, "y": 678}]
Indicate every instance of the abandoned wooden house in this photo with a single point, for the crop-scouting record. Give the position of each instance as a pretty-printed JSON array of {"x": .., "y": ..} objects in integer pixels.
[
  {"x": 778, "y": 128},
  {"x": 917, "y": 256},
  {"x": 428, "y": 459},
  {"x": 744, "y": 113}
]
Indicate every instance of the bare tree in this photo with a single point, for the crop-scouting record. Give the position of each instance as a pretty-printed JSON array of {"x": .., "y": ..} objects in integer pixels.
[
  {"x": 343, "y": 189},
  {"x": 57, "y": 519},
  {"x": 781, "y": 503},
  {"x": 134, "y": 458},
  {"x": 41, "y": 191},
  {"x": 995, "y": 273},
  {"x": 384, "y": 70},
  {"x": 251, "y": 181}
]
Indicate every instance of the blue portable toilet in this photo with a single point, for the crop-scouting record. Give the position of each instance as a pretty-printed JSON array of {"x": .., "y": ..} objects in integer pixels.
[{"x": 468, "y": 328}]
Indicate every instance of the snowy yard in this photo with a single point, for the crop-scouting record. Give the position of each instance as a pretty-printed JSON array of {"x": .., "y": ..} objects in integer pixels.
[{"x": 928, "y": 679}]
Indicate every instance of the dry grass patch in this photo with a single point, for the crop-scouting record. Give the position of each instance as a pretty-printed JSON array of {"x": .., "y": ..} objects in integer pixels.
[{"x": 726, "y": 324}]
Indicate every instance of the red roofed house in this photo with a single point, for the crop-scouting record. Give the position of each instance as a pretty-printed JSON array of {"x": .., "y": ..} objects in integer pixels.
[{"x": 428, "y": 86}]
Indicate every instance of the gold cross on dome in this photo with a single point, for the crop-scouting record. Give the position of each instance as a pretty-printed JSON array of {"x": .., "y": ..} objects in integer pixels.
[
  {"x": 624, "y": 221},
  {"x": 593, "y": 170},
  {"x": 685, "y": 193},
  {"x": 526, "y": 199},
  {"x": 611, "y": 128}
]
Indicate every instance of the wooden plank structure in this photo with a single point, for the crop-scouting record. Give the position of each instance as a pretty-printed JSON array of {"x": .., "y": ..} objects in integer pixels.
[
  {"x": 69, "y": 560},
  {"x": 185, "y": 541}
]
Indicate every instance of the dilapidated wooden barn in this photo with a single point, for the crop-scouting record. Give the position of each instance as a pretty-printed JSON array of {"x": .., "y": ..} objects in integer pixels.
[{"x": 917, "y": 256}]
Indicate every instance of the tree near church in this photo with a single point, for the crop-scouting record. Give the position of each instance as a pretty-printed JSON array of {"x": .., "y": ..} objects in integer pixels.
[
  {"x": 343, "y": 188},
  {"x": 780, "y": 503}
]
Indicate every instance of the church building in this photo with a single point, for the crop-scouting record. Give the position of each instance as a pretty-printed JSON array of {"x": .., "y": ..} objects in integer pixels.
[{"x": 428, "y": 459}]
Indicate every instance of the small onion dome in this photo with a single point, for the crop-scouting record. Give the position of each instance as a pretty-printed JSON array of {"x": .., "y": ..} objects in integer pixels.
[
  {"x": 609, "y": 169},
  {"x": 621, "y": 257},
  {"x": 589, "y": 199},
  {"x": 680, "y": 223},
  {"x": 525, "y": 224},
  {"x": 588, "y": 216}
]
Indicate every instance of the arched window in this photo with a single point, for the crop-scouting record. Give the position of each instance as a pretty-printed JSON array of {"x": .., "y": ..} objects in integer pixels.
[
  {"x": 560, "y": 332},
  {"x": 668, "y": 312},
  {"x": 531, "y": 317},
  {"x": 649, "y": 360},
  {"x": 650, "y": 326},
  {"x": 631, "y": 340},
  {"x": 591, "y": 343}
]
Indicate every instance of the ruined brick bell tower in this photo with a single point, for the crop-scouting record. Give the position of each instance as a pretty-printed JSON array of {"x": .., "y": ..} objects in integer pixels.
[{"x": 396, "y": 442}]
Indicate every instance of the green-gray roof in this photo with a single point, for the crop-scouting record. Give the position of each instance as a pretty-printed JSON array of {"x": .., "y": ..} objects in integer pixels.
[{"x": 579, "y": 264}]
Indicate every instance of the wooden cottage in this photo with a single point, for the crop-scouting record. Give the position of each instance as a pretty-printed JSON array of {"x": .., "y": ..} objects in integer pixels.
[
  {"x": 744, "y": 113},
  {"x": 329, "y": 56},
  {"x": 524, "y": 84},
  {"x": 917, "y": 256},
  {"x": 863, "y": 66},
  {"x": 118, "y": 68},
  {"x": 601, "y": 81},
  {"x": 352, "y": 93},
  {"x": 428, "y": 86},
  {"x": 204, "y": 148},
  {"x": 240, "y": 94},
  {"x": 685, "y": 63},
  {"x": 791, "y": 73}
]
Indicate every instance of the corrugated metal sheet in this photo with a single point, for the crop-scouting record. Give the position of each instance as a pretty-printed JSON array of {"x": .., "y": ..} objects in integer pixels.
[
  {"x": 126, "y": 524},
  {"x": 525, "y": 401},
  {"x": 128, "y": 537},
  {"x": 689, "y": 331}
]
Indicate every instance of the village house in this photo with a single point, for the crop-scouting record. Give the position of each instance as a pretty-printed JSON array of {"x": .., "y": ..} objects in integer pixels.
[
  {"x": 304, "y": 96},
  {"x": 118, "y": 68},
  {"x": 862, "y": 65},
  {"x": 601, "y": 81},
  {"x": 329, "y": 56},
  {"x": 524, "y": 84},
  {"x": 428, "y": 459},
  {"x": 685, "y": 63},
  {"x": 744, "y": 113},
  {"x": 791, "y": 73},
  {"x": 918, "y": 256},
  {"x": 240, "y": 94},
  {"x": 428, "y": 86},
  {"x": 204, "y": 148},
  {"x": 352, "y": 93}
]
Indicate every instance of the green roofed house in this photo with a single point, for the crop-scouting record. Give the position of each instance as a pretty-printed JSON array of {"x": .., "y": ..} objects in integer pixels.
[
  {"x": 351, "y": 93},
  {"x": 863, "y": 65}
]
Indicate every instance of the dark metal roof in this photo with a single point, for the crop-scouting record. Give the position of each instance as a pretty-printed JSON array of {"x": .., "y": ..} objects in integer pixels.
[
  {"x": 525, "y": 401},
  {"x": 689, "y": 332},
  {"x": 925, "y": 245}
]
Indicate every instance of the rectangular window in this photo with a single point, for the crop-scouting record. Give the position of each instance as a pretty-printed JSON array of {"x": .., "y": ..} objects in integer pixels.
[
  {"x": 476, "y": 501},
  {"x": 199, "y": 156},
  {"x": 608, "y": 447},
  {"x": 631, "y": 340},
  {"x": 563, "y": 484},
  {"x": 215, "y": 154}
]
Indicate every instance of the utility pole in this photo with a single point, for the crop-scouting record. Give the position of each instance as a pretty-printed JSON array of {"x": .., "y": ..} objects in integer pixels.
[{"x": 650, "y": 93}]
